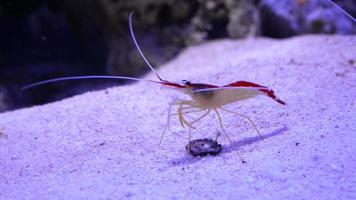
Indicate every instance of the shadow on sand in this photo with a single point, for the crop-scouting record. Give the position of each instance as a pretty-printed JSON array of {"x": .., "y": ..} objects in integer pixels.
[
  {"x": 187, "y": 160},
  {"x": 247, "y": 141}
]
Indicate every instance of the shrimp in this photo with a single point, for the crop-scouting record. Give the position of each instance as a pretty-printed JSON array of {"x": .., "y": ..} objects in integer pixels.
[
  {"x": 204, "y": 98},
  {"x": 207, "y": 98}
]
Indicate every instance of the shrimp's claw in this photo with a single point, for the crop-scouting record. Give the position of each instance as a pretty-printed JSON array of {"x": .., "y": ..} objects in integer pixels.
[{"x": 261, "y": 88}]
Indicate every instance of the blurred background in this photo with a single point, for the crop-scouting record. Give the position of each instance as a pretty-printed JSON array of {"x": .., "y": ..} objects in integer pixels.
[{"x": 43, "y": 39}]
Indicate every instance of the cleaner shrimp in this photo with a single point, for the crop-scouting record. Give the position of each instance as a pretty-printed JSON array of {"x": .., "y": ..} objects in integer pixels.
[{"x": 204, "y": 98}]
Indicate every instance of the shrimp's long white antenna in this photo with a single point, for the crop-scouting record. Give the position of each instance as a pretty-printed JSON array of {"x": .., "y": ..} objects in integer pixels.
[
  {"x": 82, "y": 77},
  {"x": 139, "y": 49},
  {"x": 342, "y": 10}
]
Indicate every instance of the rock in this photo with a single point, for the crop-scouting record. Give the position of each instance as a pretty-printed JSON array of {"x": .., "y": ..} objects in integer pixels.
[
  {"x": 285, "y": 18},
  {"x": 203, "y": 147},
  {"x": 3, "y": 105}
]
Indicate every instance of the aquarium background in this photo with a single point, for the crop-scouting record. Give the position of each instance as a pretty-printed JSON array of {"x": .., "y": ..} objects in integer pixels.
[{"x": 43, "y": 39}]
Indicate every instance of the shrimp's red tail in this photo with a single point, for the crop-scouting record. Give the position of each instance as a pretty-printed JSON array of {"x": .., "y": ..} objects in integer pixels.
[
  {"x": 271, "y": 94},
  {"x": 264, "y": 89}
]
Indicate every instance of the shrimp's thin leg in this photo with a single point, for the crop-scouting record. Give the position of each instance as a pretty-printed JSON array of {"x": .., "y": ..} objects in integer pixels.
[
  {"x": 179, "y": 103},
  {"x": 226, "y": 134},
  {"x": 217, "y": 135},
  {"x": 184, "y": 121},
  {"x": 180, "y": 113},
  {"x": 201, "y": 117},
  {"x": 181, "y": 117},
  {"x": 196, "y": 120},
  {"x": 222, "y": 126},
  {"x": 190, "y": 134},
  {"x": 246, "y": 117},
  {"x": 189, "y": 111},
  {"x": 167, "y": 123},
  {"x": 173, "y": 103}
]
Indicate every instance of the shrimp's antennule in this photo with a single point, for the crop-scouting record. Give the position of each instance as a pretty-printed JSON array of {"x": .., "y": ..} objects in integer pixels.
[
  {"x": 82, "y": 77},
  {"x": 342, "y": 10},
  {"x": 139, "y": 49}
]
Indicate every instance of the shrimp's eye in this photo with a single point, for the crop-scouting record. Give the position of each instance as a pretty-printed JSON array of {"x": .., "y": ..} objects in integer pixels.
[{"x": 185, "y": 82}]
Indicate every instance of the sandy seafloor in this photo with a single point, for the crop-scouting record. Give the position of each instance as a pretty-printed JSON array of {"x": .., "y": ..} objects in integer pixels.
[{"x": 104, "y": 144}]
